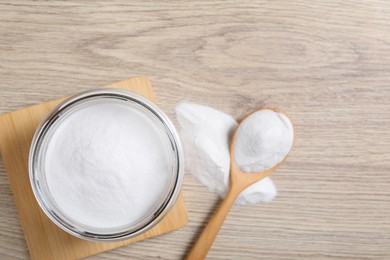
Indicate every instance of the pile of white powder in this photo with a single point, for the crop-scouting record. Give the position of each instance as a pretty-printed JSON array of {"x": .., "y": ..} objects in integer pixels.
[
  {"x": 106, "y": 164},
  {"x": 206, "y": 133},
  {"x": 263, "y": 140}
]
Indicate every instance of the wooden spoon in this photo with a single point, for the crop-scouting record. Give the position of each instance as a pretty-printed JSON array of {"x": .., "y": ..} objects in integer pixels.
[{"x": 239, "y": 181}]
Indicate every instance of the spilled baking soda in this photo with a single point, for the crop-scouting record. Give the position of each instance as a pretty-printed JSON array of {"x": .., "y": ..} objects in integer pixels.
[{"x": 206, "y": 134}]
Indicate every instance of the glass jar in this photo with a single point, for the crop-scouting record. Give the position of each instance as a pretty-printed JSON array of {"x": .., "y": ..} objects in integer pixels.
[{"x": 39, "y": 174}]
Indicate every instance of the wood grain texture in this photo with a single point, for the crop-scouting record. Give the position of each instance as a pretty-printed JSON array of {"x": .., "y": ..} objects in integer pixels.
[
  {"x": 45, "y": 240},
  {"x": 326, "y": 63}
]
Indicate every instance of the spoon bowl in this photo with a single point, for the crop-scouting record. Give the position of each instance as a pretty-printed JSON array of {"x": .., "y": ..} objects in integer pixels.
[{"x": 239, "y": 181}]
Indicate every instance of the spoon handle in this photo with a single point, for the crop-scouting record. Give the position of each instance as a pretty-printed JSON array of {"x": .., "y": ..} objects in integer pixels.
[{"x": 202, "y": 245}]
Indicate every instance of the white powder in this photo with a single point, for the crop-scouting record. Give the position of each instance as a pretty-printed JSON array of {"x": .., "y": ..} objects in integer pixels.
[
  {"x": 263, "y": 140},
  {"x": 107, "y": 165},
  {"x": 205, "y": 134}
]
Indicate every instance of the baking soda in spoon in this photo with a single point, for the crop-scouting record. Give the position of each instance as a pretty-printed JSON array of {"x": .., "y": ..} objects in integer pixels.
[
  {"x": 205, "y": 134},
  {"x": 263, "y": 140},
  {"x": 253, "y": 157}
]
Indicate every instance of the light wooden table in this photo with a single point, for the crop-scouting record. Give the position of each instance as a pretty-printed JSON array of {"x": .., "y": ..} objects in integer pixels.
[{"x": 325, "y": 62}]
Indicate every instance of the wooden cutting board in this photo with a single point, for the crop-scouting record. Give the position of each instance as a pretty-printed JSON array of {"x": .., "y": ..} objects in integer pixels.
[{"x": 45, "y": 240}]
